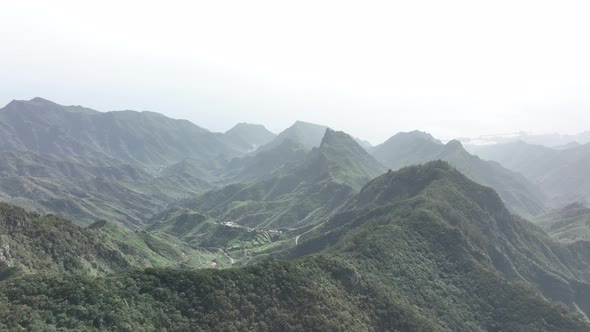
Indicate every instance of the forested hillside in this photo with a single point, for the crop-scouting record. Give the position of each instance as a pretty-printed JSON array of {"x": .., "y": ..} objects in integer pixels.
[
  {"x": 31, "y": 243},
  {"x": 420, "y": 249}
]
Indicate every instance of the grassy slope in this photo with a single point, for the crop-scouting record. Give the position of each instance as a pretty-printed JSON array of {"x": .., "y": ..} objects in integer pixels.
[{"x": 568, "y": 224}]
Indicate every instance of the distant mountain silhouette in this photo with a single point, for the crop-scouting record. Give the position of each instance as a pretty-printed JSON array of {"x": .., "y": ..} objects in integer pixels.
[
  {"x": 561, "y": 173},
  {"x": 251, "y": 134}
]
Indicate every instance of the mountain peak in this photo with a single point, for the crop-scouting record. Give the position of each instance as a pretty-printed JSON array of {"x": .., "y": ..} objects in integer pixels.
[
  {"x": 39, "y": 100},
  {"x": 396, "y": 181},
  {"x": 304, "y": 123},
  {"x": 340, "y": 156},
  {"x": 341, "y": 141},
  {"x": 254, "y": 135},
  {"x": 331, "y": 136},
  {"x": 42, "y": 104},
  {"x": 454, "y": 144},
  {"x": 245, "y": 125},
  {"x": 407, "y": 148},
  {"x": 414, "y": 135},
  {"x": 410, "y": 181},
  {"x": 309, "y": 135}
]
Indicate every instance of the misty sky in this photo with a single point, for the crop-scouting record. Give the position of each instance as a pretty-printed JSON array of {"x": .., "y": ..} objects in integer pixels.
[{"x": 453, "y": 68}]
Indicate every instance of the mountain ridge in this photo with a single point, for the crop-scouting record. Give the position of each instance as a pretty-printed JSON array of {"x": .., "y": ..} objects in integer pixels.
[
  {"x": 135, "y": 137},
  {"x": 560, "y": 173},
  {"x": 404, "y": 149}
]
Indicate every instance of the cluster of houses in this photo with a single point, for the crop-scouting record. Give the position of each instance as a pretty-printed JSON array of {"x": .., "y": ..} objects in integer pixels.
[{"x": 271, "y": 232}]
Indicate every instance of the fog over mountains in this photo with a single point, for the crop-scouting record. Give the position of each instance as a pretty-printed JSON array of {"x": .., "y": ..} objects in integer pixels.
[{"x": 135, "y": 221}]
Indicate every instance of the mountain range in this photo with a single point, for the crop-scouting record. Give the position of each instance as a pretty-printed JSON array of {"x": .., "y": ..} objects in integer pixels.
[
  {"x": 560, "y": 173},
  {"x": 423, "y": 248},
  {"x": 404, "y": 149},
  {"x": 132, "y": 221},
  {"x": 553, "y": 140}
]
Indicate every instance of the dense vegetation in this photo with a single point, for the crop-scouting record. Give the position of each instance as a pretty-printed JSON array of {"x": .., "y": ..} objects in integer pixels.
[
  {"x": 419, "y": 249},
  {"x": 32, "y": 243},
  {"x": 324, "y": 238}
]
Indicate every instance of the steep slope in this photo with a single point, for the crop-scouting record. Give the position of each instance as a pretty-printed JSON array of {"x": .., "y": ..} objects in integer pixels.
[
  {"x": 405, "y": 149},
  {"x": 434, "y": 214},
  {"x": 86, "y": 201},
  {"x": 252, "y": 135},
  {"x": 146, "y": 138},
  {"x": 520, "y": 195},
  {"x": 341, "y": 158},
  {"x": 263, "y": 164},
  {"x": 33, "y": 243},
  {"x": 120, "y": 166},
  {"x": 568, "y": 224},
  {"x": 561, "y": 174},
  {"x": 296, "y": 198},
  {"x": 28, "y": 164},
  {"x": 527, "y": 159},
  {"x": 422, "y": 249},
  {"x": 86, "y": 192},
  {"x": 307, "y": 134}
]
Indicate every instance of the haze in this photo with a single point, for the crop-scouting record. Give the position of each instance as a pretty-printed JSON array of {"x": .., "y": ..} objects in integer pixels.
[{"x": 455, "y": 68}]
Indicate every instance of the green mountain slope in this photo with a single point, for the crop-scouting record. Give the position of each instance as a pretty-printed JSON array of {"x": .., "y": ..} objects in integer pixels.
[
  {"x": 437, "y": 206},
  {"x": 120, "y": 166},
  {"x": 262, "y": 164},
  {"x": 29, "y": 164},
  {"x": 422, "y": 249},
  {"x": 266, "y": 214},
  {"x": 404, "y": 149},
  {"x": 126, "y": 166},
  {"x": 84, "y": 201},
  {"x": 412, "y": 148},
  {"x": 33, "y": 243},
  {"x": 342, "y": 159},
  {"x": 568, "y": 224},
  {"x": 86, "y": 192},
  {"x": 96, "y": 188}
]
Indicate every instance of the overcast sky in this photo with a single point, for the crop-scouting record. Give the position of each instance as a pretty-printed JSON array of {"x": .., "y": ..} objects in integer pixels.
[{"x": 453, "y": 68}]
